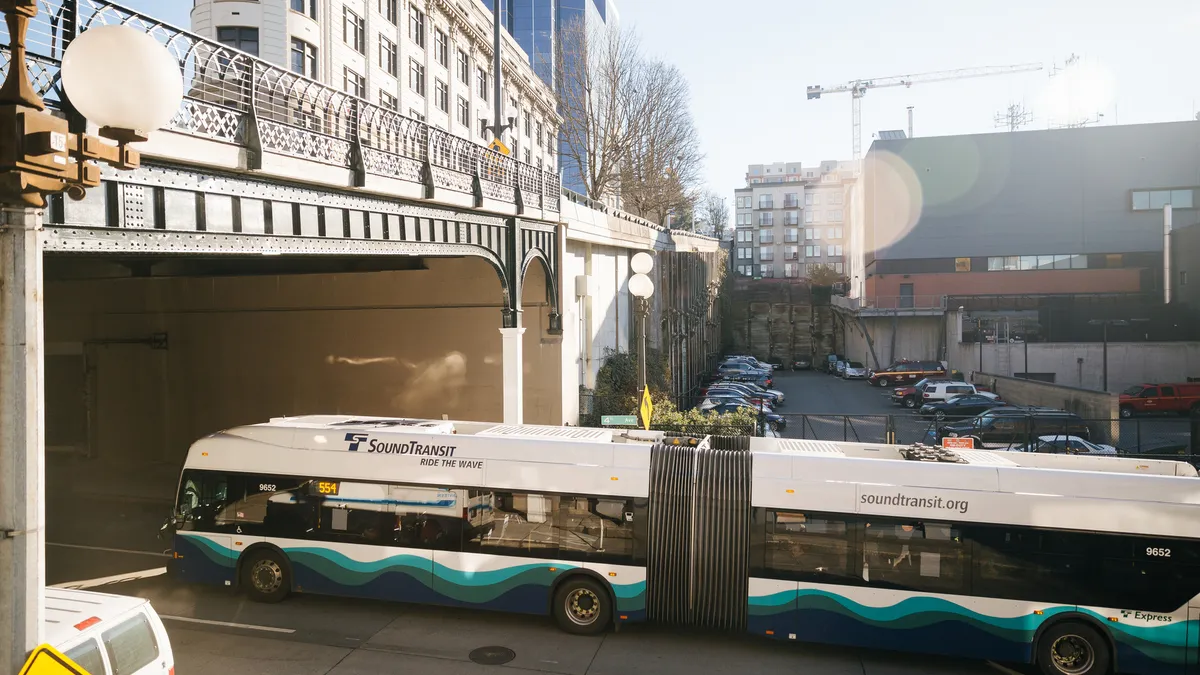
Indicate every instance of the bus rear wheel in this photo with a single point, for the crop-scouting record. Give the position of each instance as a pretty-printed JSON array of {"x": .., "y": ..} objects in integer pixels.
[
  {"x": 581, "y": 606},
  {"x": 265, "y": 577},
  {"x": 1072, "y": 648}
]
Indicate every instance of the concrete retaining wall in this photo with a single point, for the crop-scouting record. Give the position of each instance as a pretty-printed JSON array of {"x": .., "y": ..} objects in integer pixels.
[{"x": 1090, "y": 405}]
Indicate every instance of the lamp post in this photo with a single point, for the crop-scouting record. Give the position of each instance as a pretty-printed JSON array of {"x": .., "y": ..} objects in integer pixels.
[
  {"x": 128, "y": 84},
  {"x": 642, "y": 287},
  {"x": 1106, "y": 323}
]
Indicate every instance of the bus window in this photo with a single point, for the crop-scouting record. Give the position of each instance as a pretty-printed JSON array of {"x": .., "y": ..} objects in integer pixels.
[
  {"x": 595, "y": 529},
  {"x": 914, "y": 555},
  {"x": 807, "y": 547}
]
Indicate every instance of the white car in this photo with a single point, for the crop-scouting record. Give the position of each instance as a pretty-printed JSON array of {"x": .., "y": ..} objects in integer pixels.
[
  {"x": 107, "y": 634},
  {"x": 1067, "y": 445},
  {"x": 944, "y": 391}
]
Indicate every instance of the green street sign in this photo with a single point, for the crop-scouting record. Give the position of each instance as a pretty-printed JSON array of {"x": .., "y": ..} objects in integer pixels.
[{"x": 618, "y": 420}]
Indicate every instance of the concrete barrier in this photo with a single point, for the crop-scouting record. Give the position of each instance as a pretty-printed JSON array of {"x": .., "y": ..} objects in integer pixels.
[{"x": 1098, "y": 407}]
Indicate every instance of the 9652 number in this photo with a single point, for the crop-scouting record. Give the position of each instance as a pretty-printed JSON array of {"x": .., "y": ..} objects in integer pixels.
[{"x": 1158, "y": 552}]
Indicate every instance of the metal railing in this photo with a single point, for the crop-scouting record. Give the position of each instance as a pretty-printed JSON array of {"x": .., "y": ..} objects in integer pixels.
[
  {"x": 892, "y": 302},
  {"x": 236, "y": 98}
]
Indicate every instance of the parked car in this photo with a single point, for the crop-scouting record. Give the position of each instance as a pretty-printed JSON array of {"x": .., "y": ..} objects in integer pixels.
[
  {"x": 748, "y": 360},
  {"x": 910, "y": 396},
  {"x": 777, "y": 422},
  {"x": 738, "y": 368},
  {"x": 802, "y": 363},
  {"x": 754, "y": 377},
  {"x": 750, "y": 388},
  {"x": 907, "y": 371},
  {"x": 944, "y": 391},
  {"x": 753, "y": 399},
  {"x": 1067, "y": 445},
  {"x": 960, "y": 407},
  {"x": 104, "y": 633},
  {"x": 830, "y": 365},
  {"x": 840, "y": 367},
  {"x": 1015, "y": 425},
  {"x": 1183, "y": 398},
  {"x": 854, "y": 370}
]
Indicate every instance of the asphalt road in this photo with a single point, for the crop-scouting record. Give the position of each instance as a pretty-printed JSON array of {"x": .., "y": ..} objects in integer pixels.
[{"x": 213, "y": 630}]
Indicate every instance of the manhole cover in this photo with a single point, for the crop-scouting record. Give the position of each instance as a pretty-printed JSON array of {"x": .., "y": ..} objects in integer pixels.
[{"x": 492, "y": 656}]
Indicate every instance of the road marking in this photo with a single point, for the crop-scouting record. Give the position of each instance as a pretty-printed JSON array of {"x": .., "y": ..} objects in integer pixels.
[
  {"x": 110, "y": 550},
  {"x": 228, "y": 624},
  {"x": 115, "y": 579}
]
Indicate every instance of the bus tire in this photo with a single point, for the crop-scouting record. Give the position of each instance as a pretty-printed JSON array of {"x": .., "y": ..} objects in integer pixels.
[
  {"x": 581, "y": 606},
  {"x": 266, "y": 576},
  {"x": 1072, "y": 648}
]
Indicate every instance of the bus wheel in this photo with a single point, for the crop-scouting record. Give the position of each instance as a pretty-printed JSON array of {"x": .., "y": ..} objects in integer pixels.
[
  {"x": 581, "y": 607},
  {"x": 265, "y": 577},
  {"x": 1071, "y": 648}
]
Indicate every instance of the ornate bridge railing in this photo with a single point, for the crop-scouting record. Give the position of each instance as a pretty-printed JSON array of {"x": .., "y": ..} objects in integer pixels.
[{"x": 239, "y": 99}]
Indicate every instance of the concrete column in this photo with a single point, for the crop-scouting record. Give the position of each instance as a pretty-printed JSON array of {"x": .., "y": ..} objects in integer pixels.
[
  {"x": 514, "y": 375},
  {"x": 22, "y": 438}
]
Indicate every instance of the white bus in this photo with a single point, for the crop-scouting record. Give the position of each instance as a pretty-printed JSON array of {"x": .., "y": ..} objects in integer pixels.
[{"x": 1083, "y": 565}]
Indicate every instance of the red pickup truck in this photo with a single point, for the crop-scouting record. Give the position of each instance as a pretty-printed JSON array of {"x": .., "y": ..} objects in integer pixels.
[{"x": 1182, "y": 398}]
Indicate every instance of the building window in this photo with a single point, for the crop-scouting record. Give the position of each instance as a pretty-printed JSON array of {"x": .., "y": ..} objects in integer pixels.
[
  {"x": 464, "y": 112},
  {"x": 416, "y": 76},
  {"x": 808, "y": 216},
  {"x": 441, "y": 48},
  {"x": 766, "y": 202},
  {"x": 353, "y": 83},
  {"x": 239, "y": 37},
  {"x": 1147, "y": 200},
  {"x": 388, "y": 9},
  {"x": 790, "y": 200},
  {"x": 539, "y": 134},
  {"x": 791, "y": 235},
  {"x": 387, "y": 55},
  {"x": 834, "y": 249},
  {"x": 353, "y": 30},
  {"x": 304, "y": 58},
  {"x": 412, "y": 112},
  {"x": 766, "y": 219},
  {"x": 526, "y": 155},
  {"x": 441, "y": 95},
  {"x": 388, "y": 101},
  {"x": 464, "y": 67},
  {"x": 483, "y": 128},
  {"x": 1015, "y": 263},
  {"x": 810, "y": 199},
  {"x": 766, "y": 237},
  {"x": 812, "y": 251},
  {"x": 525, "y": 118},
  {"x": 835, "y": 215},
  {"x": 416, "y": 26},
  {"x": 835, "y": 198},
  {"x": 768, "y": 272},
  {"x": 481, "y": 81},
  {"x": 308, "y": 7}
]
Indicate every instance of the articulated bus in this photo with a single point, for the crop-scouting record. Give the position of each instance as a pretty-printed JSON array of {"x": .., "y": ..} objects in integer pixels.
[{"x": 1082, "y": 565}]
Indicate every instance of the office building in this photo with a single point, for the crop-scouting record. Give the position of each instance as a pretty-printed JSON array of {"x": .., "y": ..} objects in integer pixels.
[
  {"x": 431, "y": 61},
  {"x": 791, "y": 219}
]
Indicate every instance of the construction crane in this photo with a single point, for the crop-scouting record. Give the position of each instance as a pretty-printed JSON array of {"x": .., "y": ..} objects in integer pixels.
[{"x": 858, "y": 88}]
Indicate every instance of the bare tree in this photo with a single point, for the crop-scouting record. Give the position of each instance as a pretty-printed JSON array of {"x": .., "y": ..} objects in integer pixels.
[
  {"x": 715, "y": 214},
  {"x": 600, "y": 74},
  {"x": 662, "y": 172}
]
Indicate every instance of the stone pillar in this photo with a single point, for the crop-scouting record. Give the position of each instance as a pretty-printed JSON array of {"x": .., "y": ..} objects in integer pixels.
[
  {"x": 22, "y": 438},
  {"x": 514, "y": 374}
]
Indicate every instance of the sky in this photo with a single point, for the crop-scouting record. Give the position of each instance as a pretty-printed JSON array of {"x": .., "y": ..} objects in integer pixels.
[{"x": 748, "y": 64}]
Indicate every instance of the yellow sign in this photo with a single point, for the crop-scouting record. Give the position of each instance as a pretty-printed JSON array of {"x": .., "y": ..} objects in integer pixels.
[
  {"x": 962, "y": 264},
  {"x": 646, "y": 409},
  {"x": 47, "y": 660},
  {"x": 499, "y": 146}
]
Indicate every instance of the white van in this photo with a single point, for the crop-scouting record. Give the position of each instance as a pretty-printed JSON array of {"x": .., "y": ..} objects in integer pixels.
[{"x": 108, "y": 634}]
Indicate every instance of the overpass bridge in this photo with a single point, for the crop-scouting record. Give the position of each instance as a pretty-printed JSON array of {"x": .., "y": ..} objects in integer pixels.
[{"x": 289, "y": 248}]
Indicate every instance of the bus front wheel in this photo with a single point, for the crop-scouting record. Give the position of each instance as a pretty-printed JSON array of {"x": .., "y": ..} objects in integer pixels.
[
  {"x": 581, "y": 607},
  {"x": 265, "y": 577},
  {"x": 1072, "y": 648}
]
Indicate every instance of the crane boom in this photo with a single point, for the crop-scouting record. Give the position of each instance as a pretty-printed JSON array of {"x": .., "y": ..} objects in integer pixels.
[{"x": 858, "y": 88}]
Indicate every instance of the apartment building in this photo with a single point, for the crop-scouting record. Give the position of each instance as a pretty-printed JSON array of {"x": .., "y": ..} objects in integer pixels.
[
  {"x": 791, "y": 219},
  {"x": 428, "y": 60}
]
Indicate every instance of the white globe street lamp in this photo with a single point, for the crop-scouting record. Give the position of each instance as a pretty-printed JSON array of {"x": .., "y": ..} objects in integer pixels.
[
  {"x": 641, "y": 263},
  {"x": 641, "y": 286},
  {"x": 123, "y": 80}
]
